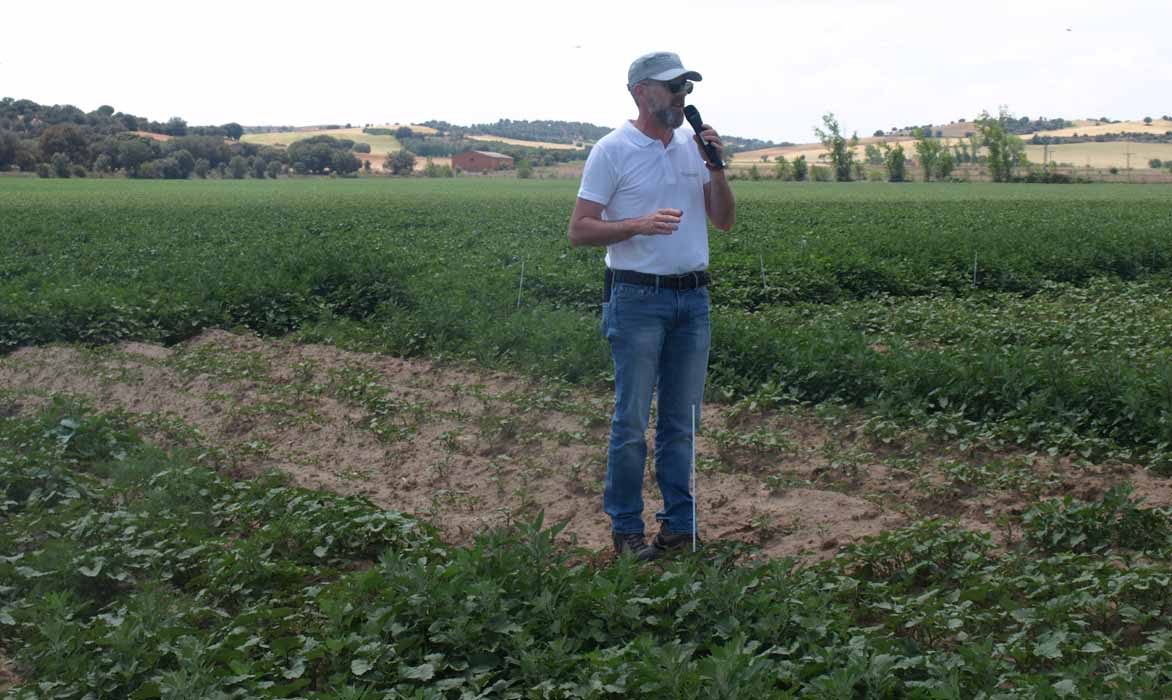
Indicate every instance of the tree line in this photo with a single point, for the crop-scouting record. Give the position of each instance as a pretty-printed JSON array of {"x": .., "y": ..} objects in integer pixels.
[
  {"x": 64, "y": 141},
  {"x": 991, "y": 144},
  {"x": 1134, "y": 136},
  {"x": 555, "y": 131},
  {"x": 548, "y": 130}
]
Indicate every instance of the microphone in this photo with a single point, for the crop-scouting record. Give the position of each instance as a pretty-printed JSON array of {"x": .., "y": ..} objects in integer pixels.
[{"x": 693, "y": 116}]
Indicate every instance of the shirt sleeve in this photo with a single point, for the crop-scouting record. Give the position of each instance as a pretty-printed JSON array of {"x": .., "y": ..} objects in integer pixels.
[{"x": 599, "y": 179}]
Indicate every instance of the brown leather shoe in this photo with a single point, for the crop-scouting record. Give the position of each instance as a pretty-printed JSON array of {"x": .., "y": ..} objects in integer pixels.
[
  {"x": 635, "y": 544},
  {"x": 667, "y": 541}
]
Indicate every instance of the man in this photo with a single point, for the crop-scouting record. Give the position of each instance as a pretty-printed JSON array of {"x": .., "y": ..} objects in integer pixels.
[{"x": 647, "y": 193}]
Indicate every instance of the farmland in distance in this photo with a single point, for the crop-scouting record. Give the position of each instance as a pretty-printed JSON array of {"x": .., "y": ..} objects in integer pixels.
[{"x": 938, "y": 362}]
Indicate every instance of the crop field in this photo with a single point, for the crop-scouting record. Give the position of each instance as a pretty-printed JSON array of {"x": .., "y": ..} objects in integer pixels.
[
  {"x": 345, "y": 439},
  {"x": 1106, "y": 154}
]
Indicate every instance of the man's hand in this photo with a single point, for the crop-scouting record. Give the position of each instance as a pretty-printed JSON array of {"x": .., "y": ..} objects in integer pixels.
[
  {"x": 662, "y": 222},
  {"x": 709, "y": 135},
  {"x": 588, "y": 228}
]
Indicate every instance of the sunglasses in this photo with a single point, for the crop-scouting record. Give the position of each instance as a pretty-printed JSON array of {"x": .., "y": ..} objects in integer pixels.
[{"x": 675, "y": 87}]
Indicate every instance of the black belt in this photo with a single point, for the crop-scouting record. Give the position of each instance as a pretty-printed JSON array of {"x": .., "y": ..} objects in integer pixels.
[{"x": 688, "y": 280}]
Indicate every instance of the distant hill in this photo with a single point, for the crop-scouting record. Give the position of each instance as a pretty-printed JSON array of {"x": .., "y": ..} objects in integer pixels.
[
  {"x": 1096, "y": 143},
  {"x": 544, "y": 130},
  {"x": 549, "y": 131},
  {"x": 962, "y": 128},
  {"x": 380, "y": 144}
]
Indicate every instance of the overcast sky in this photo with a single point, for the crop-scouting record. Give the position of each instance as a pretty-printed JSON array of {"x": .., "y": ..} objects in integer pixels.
[{"x": 771, "y": 69}]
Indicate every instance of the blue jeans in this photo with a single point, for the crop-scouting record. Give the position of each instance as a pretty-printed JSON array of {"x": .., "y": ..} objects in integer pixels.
[{"x": 658, "y": 337}]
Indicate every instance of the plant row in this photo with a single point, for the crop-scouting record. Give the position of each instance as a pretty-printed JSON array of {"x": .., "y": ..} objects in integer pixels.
[
  {"x": 1061, "y": 347},
  {"x": 131, "y": 572}
]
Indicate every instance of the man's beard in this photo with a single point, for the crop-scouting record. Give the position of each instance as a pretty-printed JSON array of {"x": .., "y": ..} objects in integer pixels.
[{"x": 669, "y": 117}]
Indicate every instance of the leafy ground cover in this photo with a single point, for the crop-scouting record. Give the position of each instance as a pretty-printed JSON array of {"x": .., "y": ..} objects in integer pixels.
[
  {"x": 472, "y": 269},
  {"x": 132, "y": 571},
  {"x": 972, "y": 436}
]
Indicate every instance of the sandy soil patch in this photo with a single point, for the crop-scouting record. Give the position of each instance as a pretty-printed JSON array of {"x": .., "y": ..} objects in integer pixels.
[
  {"x": 417, "y": 128},
  {"x": 149, "y": 135},
  {"x": 469, "y": 449}
]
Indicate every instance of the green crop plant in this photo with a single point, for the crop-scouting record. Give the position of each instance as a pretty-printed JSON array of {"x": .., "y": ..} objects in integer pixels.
[{"x": 130, "y": 571}]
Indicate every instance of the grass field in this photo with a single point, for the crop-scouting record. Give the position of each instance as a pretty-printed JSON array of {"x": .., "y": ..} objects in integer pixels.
[
  {"x": 380, "y": 145},
  {"x": 1111, "y": 154},
  {"x": 932, "y": 415},
  {"x": 1157, "y": 127}
]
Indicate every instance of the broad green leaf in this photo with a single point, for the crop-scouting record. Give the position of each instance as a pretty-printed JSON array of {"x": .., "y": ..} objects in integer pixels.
[
  {"x": 360, "y": 666},
  {"x": 91, "y": 571},
  {"x": 423, "y": 672},
  {"x": 296, "y": 670}
]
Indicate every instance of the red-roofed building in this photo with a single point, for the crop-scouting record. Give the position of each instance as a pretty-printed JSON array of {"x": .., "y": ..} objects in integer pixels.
[{"x": 481, "y": 161}]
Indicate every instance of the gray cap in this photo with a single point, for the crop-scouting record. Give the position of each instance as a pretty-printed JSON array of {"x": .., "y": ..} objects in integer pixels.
[{"x": 661, "y": 65}]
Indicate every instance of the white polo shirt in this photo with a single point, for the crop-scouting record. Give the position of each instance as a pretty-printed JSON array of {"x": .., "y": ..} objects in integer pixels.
[{"x": 633, "y": 175}]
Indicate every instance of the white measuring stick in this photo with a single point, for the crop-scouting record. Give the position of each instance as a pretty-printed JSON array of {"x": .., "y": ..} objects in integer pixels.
[
  {"x": 520, "y": 284},
  {"x": 692, "y": 485}
]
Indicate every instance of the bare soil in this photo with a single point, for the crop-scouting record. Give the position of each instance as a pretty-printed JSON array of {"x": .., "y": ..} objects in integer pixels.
[
  {"x": 469, "y": 449},
  {"x": 8, "y": 678}
]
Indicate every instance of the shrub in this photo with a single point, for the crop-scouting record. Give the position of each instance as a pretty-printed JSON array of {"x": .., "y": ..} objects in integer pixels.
[
  {"x": 201, "y": 167},
  {"x": 77, "y": 170},
  {"x": 319, "y": 153},
  {"x": 273, "y": 169},
  {"x": 821, "y": 173},
  {"x": 43, "y": 170},
  {"x": 754, "y": 173},
  {"x": 1045, "y": 177},
  {"x": 433, "y": 170},
  {"x": 801, "y": 169},
  {"x": 168, "y": 168},
  {"x": 362, "y": 148},
  {"x": 401, "y": 163},
  {"x": 783, "y": 170},
  {"x": 185, "y": 162},
  {"x": 238, "y": 167},
  {"x": 524, "y": 168},
  {"x": 60, "y": 163},
  {"x": 1155, "y": 163}
]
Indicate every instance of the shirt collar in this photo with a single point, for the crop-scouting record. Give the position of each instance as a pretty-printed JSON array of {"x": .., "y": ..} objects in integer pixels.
[{"x": 642, "y": 140}]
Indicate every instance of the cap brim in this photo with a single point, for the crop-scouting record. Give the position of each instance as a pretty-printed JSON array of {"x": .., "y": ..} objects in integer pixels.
[{"x": 676, "y": 73}]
